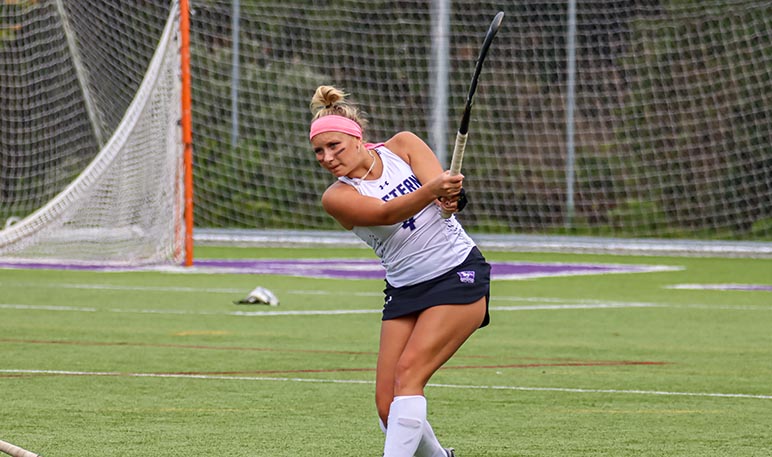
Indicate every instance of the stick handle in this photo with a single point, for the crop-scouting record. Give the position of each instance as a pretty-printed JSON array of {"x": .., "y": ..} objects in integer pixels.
[
  {"x": 457, "y": 160},
  {"x": 15, "y": 451}
]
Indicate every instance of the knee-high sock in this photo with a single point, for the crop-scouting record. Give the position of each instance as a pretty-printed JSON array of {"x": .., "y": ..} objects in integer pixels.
[
  {"x": 429, "y": 445},
  {"x": 405, "y": 426}
]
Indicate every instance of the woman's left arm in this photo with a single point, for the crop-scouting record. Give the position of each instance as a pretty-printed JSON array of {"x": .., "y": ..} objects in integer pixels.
[
  {"x": 417, "y": 154},
  {"x": 422, "y": 160}
]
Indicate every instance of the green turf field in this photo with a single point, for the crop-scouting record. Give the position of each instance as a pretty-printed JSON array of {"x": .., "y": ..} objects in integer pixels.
[{"x": 126, "y": 364}]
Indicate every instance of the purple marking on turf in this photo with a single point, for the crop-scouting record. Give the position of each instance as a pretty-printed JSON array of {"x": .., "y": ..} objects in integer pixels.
[
  {"x": 371, "y": 269},
  {"x": 353, "y": 268},
  {"x": 64, "y": 266}
]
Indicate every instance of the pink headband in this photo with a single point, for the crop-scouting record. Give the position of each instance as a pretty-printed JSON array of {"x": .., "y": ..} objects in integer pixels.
[{"x": 335, "y": 123}]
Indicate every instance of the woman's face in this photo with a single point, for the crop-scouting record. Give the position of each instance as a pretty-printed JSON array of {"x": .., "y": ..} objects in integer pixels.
[{"x": 336, "y": 152}]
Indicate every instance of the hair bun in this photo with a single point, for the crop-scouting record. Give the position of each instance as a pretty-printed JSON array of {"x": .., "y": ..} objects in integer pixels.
[
  {"x": 331, "y": 100},
  {"x": 326, "y": 98}
]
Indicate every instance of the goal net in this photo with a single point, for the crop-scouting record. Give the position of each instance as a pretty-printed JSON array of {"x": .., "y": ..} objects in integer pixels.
[
  {"x": 646, "y": 119},
  {"x": 91, "y": 149},
  {"x": 622, "y": 119}
]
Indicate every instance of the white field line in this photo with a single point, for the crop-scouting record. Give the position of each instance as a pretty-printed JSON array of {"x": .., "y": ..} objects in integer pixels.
[
  {"x": 498, "y": 298},
  {"x": 239, "y": 291},
  {"x": 358, "y": 381},
  {"x": 297, "y": 312},
  {"x": 189, "y": 312},
  {"x": 540, "y": 304},
  {"x": 196, "y": 290},
  {"x": 732, "y": 287}
]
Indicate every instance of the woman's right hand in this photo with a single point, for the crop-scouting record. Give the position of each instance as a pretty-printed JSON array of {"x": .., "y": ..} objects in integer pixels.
[{"x": 446, "y": 185}]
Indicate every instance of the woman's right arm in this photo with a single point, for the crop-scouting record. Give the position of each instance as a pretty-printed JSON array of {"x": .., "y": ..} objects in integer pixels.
[{"x": 350, "y": 208}]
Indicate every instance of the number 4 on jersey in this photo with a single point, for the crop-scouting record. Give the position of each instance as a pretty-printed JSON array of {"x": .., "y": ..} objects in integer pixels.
[{"x": 409, "y": 224}]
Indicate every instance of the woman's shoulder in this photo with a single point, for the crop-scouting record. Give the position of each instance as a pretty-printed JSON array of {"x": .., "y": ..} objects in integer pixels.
[
  {"x": 336, "y": 201},
  {"x": 403, "y": 139},
  {"x": 338, "y": 187},
  {"x": 404, "y": 144},
  {"x": 337, "y": 191}
]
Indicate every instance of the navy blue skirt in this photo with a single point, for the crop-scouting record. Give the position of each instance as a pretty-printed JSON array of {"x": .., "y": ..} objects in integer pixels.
[{"x": 462, "y": 285}]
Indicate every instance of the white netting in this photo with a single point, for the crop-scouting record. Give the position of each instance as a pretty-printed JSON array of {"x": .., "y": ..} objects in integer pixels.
[
  {"x": 671, "y": 110},
  {"x": 92, "y": 98},
  {"x": 624, "y": 119}
]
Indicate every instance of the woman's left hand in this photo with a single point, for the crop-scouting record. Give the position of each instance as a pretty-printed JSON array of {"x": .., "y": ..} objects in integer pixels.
[
  {"x": 448, "y": 204},
  {"x": 454, "y": 203}
]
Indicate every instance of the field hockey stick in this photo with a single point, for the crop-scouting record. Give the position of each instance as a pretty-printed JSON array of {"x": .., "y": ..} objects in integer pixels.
[
  {"x": 463, "y": 129},
  {"x": 15, "y": 451}
]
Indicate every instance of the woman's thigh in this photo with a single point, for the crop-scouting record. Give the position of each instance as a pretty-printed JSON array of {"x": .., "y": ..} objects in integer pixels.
[
  {"x": 437, "y": 334},
  {"x": 413, "y": 347},
  {"x": 395, "y": 334}
]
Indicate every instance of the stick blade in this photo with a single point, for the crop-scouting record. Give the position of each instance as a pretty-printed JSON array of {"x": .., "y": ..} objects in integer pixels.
[
  {"x": 496, "y": 23},
  {"x": 15, "y": 451}
]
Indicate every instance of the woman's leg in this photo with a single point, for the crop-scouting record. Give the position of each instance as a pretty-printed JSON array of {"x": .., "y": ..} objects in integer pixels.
[
  {"x": 412, "y": 349},
  {"x": 437, "y": 334},
  {"x": 433, "y": 337},
  {"x": 395, "y": 334}
]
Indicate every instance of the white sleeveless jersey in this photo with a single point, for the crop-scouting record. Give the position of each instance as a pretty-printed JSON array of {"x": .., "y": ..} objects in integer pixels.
[{"x": 420, "y": 248}]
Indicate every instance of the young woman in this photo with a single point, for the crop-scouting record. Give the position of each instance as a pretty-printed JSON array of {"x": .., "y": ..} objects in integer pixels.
[{"x": 437, "y": 282}]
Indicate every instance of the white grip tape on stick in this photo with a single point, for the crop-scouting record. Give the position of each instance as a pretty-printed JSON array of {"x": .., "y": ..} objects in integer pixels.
[
  {"x": 458, "y": 153},
  {"x": 456, "y": 161},
  {"x": 15, "y": 451}
]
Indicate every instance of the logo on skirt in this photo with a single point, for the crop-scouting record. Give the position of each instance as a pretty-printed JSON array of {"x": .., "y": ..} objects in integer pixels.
[{"x": 466, "y": 276}]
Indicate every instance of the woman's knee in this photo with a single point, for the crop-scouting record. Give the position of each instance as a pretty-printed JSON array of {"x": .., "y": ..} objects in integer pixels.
[{"x": 411, "y": 375}]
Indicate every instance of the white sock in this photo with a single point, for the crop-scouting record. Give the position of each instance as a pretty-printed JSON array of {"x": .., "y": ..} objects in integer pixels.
[
  {"x": 407, "y": 416},
  {"x": 429, "y": 445}
]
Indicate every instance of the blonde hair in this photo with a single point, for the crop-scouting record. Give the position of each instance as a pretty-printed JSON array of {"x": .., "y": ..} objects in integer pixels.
[{"x": 329, "y": 100}]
